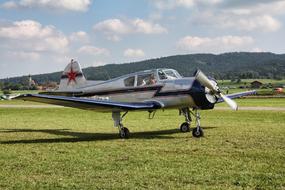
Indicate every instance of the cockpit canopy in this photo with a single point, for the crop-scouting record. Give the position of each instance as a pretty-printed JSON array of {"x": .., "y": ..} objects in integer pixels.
[
  {"x": 165, "y": 74},
  {"x": 151, "y": 77}
]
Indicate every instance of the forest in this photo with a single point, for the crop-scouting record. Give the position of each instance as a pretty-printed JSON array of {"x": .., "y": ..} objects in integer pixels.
[{"x": 236, "y": 65}]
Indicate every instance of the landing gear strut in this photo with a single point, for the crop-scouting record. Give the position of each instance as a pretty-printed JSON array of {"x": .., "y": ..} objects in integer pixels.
[
  {"x": 185, "y": 127},
  {"x": 124, "y": 132},
  {"x": 197, "y": 131}
]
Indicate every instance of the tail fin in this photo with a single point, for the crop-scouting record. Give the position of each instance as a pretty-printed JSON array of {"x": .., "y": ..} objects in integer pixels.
[{"x": 72, "y": 77}]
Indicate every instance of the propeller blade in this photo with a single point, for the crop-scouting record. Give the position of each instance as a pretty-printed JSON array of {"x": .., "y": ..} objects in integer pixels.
[
  {"x": 230, "y": 102},
  {"x": 203, "y": 79}
]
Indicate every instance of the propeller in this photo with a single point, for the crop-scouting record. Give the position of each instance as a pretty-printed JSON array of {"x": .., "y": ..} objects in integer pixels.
[
  {"x": 229, "y": 101},
  {"x": 203, "y": 79}
]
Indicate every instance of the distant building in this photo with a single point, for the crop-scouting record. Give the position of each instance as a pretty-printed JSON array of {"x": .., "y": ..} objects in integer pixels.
[
  {"x": 256, "y": 84},
  {"x": 40, "y": 87},
  {"x": 31, "y": 81}
]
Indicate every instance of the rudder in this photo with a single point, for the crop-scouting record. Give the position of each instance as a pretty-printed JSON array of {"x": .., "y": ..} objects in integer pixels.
[{"x": 72, "y": 77}]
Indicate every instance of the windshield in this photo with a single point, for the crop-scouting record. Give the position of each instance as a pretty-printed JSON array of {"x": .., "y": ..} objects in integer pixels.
[{"x": 168, "y": 74}]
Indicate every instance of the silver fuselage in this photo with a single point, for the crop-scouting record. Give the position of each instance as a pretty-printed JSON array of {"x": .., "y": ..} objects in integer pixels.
[
  {"x": 163, "y": 92},
  {"x": 170, "y": 93}
]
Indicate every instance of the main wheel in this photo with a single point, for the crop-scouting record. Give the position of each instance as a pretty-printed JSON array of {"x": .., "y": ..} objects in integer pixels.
[
  {"x": 125, "y": 133},
  {"x": 184, "y": 127},
  {"x": 197, "y": 132}
]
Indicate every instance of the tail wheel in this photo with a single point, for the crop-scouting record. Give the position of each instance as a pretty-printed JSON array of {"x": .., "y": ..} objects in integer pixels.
[{"x": 197, "y": 132}]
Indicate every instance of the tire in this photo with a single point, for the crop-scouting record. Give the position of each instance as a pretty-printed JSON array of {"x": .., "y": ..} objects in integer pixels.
[
  {"x": 124, "y": 133},
  {"x": 197, "y": 133},
  {"x": 184, "y": 127}
]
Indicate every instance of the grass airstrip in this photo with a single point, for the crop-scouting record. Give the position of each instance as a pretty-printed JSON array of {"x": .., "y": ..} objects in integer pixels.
[{"x": 64, "y": 148}]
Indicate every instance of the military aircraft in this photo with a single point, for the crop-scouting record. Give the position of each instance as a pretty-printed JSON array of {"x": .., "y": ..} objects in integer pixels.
[{"x": 148, "y": 90}]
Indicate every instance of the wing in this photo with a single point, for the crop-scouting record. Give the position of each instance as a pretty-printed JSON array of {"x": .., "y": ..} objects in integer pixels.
[
  {"x": 91, "y": 104},
  {"x": 238, "y": 95}
]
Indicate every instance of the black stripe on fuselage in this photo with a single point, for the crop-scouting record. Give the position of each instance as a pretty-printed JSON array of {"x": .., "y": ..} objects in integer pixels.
[{"x": 126, "y": 90}]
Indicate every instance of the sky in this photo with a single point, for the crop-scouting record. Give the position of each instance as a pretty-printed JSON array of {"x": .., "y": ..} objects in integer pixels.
[{"x": 42, "y": 36}]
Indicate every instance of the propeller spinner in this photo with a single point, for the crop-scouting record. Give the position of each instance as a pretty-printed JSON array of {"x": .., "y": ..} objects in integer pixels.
[{"x": 214, "y": 89}]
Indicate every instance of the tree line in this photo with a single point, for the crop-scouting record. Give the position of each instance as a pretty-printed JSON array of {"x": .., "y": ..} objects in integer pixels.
[{"x": 236, "y": 65}]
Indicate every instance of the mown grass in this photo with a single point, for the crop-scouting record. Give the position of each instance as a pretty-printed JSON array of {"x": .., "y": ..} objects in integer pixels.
[
  {"x": 248, "y": 81},
  {"x": 19, "y": 102},
  {"x": 76, "y": 149},
  {"x": 257, "y": 102},
  {"x": 259, "y": 92},
  {"x": 23, "y": 92}
]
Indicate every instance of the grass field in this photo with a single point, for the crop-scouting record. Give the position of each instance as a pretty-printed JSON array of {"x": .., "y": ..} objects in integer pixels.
[
  {"x": 248, "y": 81},
  {"x": 23, "y": 92},
  {"x": 257, "y": 102},
  {"x": 76, "y": 149},
  {"x": 19, "y": 102}
]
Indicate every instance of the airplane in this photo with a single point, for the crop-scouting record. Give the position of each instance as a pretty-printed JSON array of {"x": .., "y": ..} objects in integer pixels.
[{"x": 148, "y": 90}]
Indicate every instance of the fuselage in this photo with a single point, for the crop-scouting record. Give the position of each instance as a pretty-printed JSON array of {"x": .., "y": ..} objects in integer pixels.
[{"x": 165, "y": 86}]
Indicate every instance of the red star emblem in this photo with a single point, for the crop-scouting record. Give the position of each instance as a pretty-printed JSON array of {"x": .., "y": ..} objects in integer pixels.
[{"x": 71, "y": 75}]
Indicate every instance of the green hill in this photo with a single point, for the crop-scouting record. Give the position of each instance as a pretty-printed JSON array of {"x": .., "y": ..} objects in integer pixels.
[{"x": 222, "y": 66}]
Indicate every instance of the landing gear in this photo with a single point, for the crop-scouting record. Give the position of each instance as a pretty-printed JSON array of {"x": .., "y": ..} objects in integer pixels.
[
  {"x": 185, "y": 127},
  {"x": 197, "y": 131},
  {"x": 124, "y": 132}
]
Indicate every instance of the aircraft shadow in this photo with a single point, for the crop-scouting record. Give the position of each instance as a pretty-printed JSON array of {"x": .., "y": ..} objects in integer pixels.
[{"x": 73, "y": 136}]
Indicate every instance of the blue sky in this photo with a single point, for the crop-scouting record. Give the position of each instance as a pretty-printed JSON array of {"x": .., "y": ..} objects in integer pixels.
[{"x": 40, "y": 36}]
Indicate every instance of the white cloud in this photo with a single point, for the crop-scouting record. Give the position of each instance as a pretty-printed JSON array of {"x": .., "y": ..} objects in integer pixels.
[
  {"x": 157, "y": 15},
  {"x": 9, "y": 5},
  {"x": 79, "y": 36},
  {"x": 215, "y": 45},
  {"x": 74, "y": 5},
  {"x": 255, "y": 15},
  {"x": 265, "y": 23},
  {"x": 93, "y": 50},
  {"x": 25, "y": 29},
  {"x": 114, "y": 38},
  {"x": 134, "y": 53},
  {"x": 112, "y": 28},
  {"x": 29, "y": 35},
  {"x": 144, "y": 27},
  {"x": 22, "y": 55},
  {"x": 255, "y": 7},
  {"x": 171, "y": 4},
  {"x": 241, "y": 21}
]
